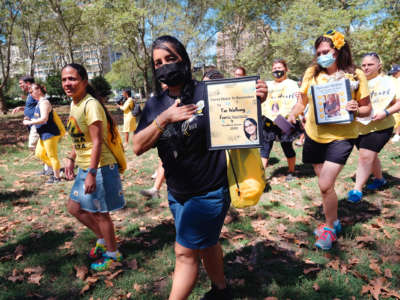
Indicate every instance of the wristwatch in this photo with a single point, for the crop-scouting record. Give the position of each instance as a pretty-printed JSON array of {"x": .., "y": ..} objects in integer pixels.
[{"x": 92, "y": 171}]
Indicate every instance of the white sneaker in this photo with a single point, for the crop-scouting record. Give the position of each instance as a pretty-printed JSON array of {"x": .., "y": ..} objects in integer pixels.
[
  {"x": 151, "y": 193},
  {"x": 154, "y": 176},
  {"x": 396, "y": 138}
]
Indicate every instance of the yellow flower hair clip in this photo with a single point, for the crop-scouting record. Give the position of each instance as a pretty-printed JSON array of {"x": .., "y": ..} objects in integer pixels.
[{"x": 336, "y": 37}]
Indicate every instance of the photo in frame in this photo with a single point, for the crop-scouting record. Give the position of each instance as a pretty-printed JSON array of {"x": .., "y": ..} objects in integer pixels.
[
  {"x": 234, "y": 113},
  {"x": 330, "y": 102}
]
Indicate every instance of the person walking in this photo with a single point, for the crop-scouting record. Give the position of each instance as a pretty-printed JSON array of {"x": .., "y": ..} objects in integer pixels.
[
  {"x": 375, "y": 133},
  {"x": 175, "y": 122},
  {"x": 129, "y": 119},
  {"x": 97, "y": 189},
  {"x": 327, "y": 147},
  {"x": 50, "y": 131}
]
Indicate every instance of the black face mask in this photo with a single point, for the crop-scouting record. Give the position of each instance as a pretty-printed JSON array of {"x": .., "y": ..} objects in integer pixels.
[
  {"x": 171, "y": 74},
  {"x": 278, "y": 74}
]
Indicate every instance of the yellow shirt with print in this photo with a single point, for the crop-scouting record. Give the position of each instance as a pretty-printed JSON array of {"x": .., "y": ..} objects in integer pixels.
[
  {"x": 327, "y": 133},
  {"x": 383, "y": 90},
  {"x": 397, "y": 115},
  {"x": 83, "y": 114},
  {"x": 281, "y": 98},
  {"x": 129, "y": 119}
]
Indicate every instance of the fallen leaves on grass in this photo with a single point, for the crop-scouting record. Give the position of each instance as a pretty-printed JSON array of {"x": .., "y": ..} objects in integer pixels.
[
  {"x": 132, "y": 264},
  {"x": 19, "y": 252},
  {"x": 81, "y": 272}
]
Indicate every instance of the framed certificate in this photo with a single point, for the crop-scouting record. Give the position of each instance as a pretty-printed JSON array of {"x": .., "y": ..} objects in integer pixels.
[
  {"x": 234, "y": 113},
  {"x": 330, "y": 102}
]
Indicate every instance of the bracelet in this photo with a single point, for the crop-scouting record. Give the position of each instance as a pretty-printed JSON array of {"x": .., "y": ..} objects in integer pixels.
[
  {"x": 158, "y": 125},
  {"x": 386, "y": 112},
  {"x": 71, "y": 159}
]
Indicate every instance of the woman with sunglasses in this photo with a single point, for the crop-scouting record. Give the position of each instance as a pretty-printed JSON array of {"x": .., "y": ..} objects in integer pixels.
[
  {"x": 328, "y": 146},
  {"x": 50, "y": 131},
  {"x": 375, "y": 133},
  {"x": 175, "y": 122}
]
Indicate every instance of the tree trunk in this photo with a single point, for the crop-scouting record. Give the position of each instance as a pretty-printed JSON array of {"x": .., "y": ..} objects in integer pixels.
[{"x": 3, "y": 105}]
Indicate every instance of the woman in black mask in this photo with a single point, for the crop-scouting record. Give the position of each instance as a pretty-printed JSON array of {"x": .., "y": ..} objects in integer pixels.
[
  {"x": 175, "y": 122},
  {"x": 281, "y": 98}
]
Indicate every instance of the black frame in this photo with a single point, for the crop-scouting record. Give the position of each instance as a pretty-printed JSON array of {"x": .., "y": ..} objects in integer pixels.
[
  {"x": 259, "y": 121},
  {"x": 349, "y": 97}
]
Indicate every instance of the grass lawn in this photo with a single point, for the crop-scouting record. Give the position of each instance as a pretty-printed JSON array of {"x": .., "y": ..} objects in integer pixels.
[{"x": 269, "y": 249}]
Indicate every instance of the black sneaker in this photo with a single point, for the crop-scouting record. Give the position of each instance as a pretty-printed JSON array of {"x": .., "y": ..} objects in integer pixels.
[
  {"x": 216, "y": 294},
  {"x": 53, "y": 179}
]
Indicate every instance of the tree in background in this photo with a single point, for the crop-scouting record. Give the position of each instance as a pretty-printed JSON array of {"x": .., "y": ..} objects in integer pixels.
[
  {"x": 31, "y": 29},
  {"x": 9, "y": 12},
  {"x": 54, "y": 86},
  {"x": 101, "y": 85}
]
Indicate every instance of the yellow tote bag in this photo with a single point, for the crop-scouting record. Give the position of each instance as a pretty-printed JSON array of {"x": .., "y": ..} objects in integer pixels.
[
  {"x": 59, "y": 123},
  {"x": 246, "y": 176}
]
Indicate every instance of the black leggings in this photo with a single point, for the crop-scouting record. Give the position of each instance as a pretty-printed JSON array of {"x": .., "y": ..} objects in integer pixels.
[{"x": 287, "y": 148}]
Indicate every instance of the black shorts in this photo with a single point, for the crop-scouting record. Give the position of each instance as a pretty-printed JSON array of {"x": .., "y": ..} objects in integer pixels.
[
  {"x": 336, "y": 151},
  {"x": 287, "y": 148},
  {"x": 374, "y": 141}
]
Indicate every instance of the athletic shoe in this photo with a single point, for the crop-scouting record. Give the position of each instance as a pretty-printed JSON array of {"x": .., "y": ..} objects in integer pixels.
[
  {"x": 48, "y": 172},
  {"x": 396, "y": 138},
  {"x": 376, "y": 184},
  {"x": 151, "y": 193},
  {"x": 97, "y": 251},
  {"x": 354, "y": 196},
  {"x": 216, "y": 294},
  {"x": 290, "y": 177},
  {"x": 320, "y": 229},
  {"x": 53, "y": 180},
  {"x": 326, "y": 239},
  {"x": 105, "y": 262}
]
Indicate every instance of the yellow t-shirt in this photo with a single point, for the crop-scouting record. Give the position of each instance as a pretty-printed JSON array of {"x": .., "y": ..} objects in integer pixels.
[
  {"x": 81, "y": 116},
  {"x": 383, "y": 91},
  {"x": 327, "y": 133},
  {"x": 281, "y": 98},
  {"x": 129, "y": 119},
  {"x": 397, "y": 115}
]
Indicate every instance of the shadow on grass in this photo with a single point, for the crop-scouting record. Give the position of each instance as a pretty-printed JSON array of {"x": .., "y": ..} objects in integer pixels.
[
  {"x": 150, "y": 240},
  {"x": 350, "y": 213},
  {"x": 259, "y": 266},
  {"x": 40, "y": 251},
  {"x": 302, "y": 171},
  {"x": 12, "y": 196},
  {"x": 273, "y": 161}
]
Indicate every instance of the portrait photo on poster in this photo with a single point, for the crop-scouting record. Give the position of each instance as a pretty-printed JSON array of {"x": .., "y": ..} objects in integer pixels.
[
  {"x": 234, "y": 113},
  {"x": 330, "y": 100}
]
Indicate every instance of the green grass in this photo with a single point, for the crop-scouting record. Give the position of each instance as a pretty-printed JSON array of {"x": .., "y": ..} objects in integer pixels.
[{"x": 268, "y": 248}]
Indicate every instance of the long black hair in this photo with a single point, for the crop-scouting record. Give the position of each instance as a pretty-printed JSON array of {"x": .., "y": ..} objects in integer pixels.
[
  {"x": 344, "y": 59},
  {"x": 90, "y": 90},
  {"x": 252, "y": 121},
  {"x": 188, "y": 84}
]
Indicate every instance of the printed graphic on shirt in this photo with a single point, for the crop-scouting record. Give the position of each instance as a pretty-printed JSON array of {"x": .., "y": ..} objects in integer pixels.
[
  {"x": 78, "y": 137},
  {"x": 381, "y": 92},
  {"x": 281, "y": 98}
]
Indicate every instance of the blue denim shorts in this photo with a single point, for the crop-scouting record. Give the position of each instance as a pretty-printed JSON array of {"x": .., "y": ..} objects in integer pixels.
[
  {"x": 199, "y": 220},
  {"x": 108, "y": 194}
]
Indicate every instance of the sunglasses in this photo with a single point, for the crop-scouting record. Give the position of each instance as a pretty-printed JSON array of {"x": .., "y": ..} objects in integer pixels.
[
  {"x": 374, "y": 54},
  {"x": 330, "y": 32}
]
